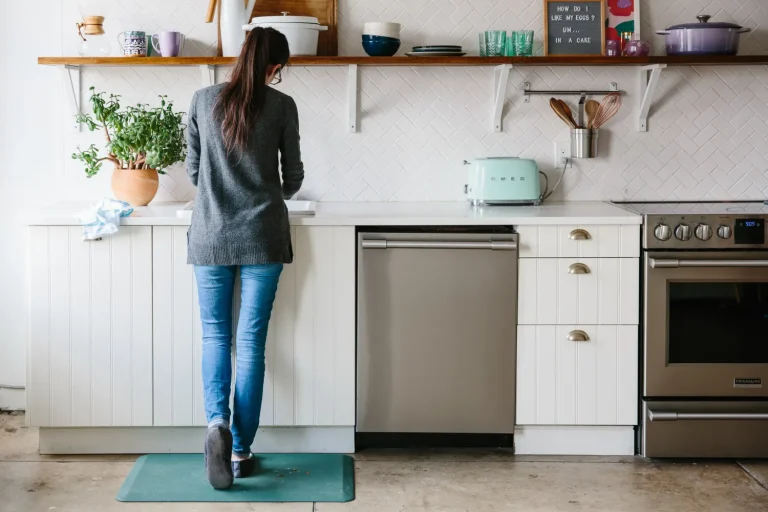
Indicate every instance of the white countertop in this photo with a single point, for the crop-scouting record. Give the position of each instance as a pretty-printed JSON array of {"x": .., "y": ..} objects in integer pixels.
[{"x": 383, "y": 214}]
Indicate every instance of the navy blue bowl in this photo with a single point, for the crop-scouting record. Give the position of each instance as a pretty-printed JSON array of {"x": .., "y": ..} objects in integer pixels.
[
  {"x": 367, "y": 37},
  {"x": 380, "y": 46}
]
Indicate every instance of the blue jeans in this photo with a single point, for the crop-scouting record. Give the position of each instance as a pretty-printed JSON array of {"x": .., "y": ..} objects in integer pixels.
[{"x": 215, "y": 286}]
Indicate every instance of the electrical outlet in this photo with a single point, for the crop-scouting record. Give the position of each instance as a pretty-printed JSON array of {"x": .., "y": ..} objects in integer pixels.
[{"x": 562, "y": 150}]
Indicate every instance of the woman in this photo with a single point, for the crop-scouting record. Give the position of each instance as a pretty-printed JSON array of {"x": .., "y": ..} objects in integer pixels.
[{"x": 240, "y": 221}]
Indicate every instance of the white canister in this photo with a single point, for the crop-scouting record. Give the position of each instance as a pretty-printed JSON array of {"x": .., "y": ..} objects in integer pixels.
[
  {"x": 383, "y": 29},
  {"x": 302, "y": 32}
]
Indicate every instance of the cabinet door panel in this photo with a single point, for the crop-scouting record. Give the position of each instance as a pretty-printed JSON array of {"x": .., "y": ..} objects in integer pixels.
[
  {"x": 310, "y": 350},
  {"x": 564, "y": 382},
  {"x": 177, "y": 341},
  {"x": 90, "y": 345}
]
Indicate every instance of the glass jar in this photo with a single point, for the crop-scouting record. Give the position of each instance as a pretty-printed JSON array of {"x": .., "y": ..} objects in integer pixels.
[
  {"x": 637, "y": 48},
  {"x": 94, "y": 39}
]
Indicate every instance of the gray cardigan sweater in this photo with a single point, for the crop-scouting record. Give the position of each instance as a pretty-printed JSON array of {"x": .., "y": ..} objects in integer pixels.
[{"x": 240, "y": 216}]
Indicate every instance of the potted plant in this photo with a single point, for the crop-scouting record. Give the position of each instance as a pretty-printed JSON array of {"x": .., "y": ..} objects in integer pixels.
[{"x": 142, "y": 141}]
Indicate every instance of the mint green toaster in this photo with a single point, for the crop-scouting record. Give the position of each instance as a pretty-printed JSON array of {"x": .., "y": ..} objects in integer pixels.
[{"x": 504, "y": 180}]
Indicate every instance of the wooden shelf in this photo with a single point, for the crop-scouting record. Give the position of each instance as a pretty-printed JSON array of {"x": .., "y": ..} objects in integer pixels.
[
  {"x": 551, "y": 60},
  {"x": 649, "y": 70}
]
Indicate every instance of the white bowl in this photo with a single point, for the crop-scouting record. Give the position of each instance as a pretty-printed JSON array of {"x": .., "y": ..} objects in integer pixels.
[{"x": 382, "y": 28}]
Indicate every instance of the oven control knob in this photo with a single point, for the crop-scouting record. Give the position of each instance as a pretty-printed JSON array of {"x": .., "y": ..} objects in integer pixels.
[
  {"x": 662, "y": 232},
  {"x": 683, "y": 232},
  {"x": 724, "y": 232},
  {"x": 703, "y": 232}
]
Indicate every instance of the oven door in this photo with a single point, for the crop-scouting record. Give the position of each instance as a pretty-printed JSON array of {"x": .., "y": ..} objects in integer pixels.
[{"x": 706, "y": 324}]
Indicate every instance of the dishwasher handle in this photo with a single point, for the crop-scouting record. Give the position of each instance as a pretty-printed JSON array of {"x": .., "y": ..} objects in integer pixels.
[
  {"x": 432, "y": 244},
  {"x": 679, "y": 416}
]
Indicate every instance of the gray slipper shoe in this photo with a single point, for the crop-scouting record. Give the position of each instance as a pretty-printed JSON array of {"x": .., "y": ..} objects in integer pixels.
[
  {"x": 218, "y": 457},
  {"x": 244, "y": 468}
]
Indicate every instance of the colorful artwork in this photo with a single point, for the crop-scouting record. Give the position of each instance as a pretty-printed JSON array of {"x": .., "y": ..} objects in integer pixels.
[{"x": 623, "y": 16}]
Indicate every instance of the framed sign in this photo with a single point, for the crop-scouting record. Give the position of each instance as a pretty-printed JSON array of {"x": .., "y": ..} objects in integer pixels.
[{"x": 574, "y": 27}]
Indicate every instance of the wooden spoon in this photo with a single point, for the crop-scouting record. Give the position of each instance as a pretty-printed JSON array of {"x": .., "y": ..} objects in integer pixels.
[
  {"x": 590, "y": 107},
  {"x": 567, "y": 110},
  {"x": 558, "y": 109}
]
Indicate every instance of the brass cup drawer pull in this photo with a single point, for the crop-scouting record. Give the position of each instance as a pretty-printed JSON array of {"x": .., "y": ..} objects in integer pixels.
[
  {"x": 580, "y": 234},
  {"x": 579, "y": 268},
  {"x": 578, "y": 336}
]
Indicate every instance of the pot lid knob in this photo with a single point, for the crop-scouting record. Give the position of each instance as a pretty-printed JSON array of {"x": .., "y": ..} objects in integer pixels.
[
  {"x": 285, "y": 13},
  {"x": 703, "y": 18}
]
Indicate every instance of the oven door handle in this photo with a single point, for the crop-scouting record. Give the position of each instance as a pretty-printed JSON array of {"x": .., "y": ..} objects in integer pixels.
[
  {"x": 670, "y": 263},
  {"x": 679, "y": 416}
]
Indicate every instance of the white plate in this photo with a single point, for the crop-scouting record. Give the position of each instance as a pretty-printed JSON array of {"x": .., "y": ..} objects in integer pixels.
[
  {"x": 435, "y": 54},
  {"x": 294, "y": 208}
]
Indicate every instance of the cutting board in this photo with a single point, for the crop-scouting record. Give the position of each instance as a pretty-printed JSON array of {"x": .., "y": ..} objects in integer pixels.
[{"x": 324, "y": 10}]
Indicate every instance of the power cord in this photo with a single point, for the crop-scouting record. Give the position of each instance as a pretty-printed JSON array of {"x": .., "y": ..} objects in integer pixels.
[{"x": 565, "y": 160}]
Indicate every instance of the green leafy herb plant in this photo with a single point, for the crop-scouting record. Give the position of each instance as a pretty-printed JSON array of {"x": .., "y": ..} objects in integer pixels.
[{"x": 138, "y": 137}]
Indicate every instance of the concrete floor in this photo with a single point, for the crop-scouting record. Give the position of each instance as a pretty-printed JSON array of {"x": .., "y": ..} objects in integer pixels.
[{"x": 437, "y": 481}]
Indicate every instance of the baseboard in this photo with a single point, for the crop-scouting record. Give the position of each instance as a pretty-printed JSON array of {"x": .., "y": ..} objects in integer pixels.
[
  {"x": 135, "y": 440},
  {"x": 574, "y": 440}
]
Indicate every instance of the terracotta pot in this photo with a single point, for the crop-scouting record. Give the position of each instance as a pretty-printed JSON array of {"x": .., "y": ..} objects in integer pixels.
[{"x": 137, "y": 187}]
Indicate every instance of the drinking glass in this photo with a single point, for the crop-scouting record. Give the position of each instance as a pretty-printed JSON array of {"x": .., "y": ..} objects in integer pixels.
[
  {"x": 495, "y": 42},
  {"x": 626, "y": 37},
  {"x": 483, "y": 51},
  {"x": 509, "y": 51},
  {"x": 613, "y": 48},
  {"x": 524, "y": 43}
]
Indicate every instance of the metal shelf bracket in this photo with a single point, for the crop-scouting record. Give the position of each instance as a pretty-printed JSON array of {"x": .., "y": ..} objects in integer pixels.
[
  {"x": 208, "y": 75},
  {"x": 499, "y": 93},
  {"x": 648, "y": 87},
  {"x": 352, "y": 98},
  {"x": 71, "y": 79}
]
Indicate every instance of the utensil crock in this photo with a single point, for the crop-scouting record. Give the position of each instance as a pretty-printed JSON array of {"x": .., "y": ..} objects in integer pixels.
[{"x": 584, "y": 143}]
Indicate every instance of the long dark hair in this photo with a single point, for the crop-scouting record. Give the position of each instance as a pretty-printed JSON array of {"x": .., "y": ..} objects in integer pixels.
[{"x": 241, "y": 102}]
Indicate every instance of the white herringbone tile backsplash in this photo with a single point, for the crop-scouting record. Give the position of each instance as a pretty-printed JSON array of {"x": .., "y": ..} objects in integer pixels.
[{"x": 707, "y": 138}]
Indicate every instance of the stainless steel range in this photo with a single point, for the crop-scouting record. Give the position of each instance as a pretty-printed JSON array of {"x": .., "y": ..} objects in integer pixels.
[{"x": 705, "y": 375}]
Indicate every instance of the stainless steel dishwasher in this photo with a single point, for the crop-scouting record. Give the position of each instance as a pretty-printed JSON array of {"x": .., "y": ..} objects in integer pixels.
[{"x": 436, "y": 340}]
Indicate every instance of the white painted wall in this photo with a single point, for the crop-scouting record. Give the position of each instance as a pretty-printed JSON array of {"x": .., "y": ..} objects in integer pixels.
[
  {"x": 706, "y": 139},
  {"x": 32, "y": 171}
]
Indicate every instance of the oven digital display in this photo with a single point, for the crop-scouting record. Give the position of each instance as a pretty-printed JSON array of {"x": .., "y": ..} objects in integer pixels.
[{"x": 749, "y": 231}]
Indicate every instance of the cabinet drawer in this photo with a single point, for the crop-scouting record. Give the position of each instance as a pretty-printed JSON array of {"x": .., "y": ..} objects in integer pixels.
[
  {"x": 579, "y": 290},
  {"x": 579, "y": 241},
  {"x": 577, "y": 375}
]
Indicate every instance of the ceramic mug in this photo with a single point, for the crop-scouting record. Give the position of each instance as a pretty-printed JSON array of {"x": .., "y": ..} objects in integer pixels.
[
  {"x": 168, "y": 44},
  {"x": 133, "y": 43}
]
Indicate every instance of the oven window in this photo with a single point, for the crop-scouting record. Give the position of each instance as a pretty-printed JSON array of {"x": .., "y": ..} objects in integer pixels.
[{"x": 718, "y": 322}]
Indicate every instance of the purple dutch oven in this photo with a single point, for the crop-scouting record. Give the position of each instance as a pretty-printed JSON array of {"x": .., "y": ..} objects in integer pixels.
[{"x": 703, "y": 38}]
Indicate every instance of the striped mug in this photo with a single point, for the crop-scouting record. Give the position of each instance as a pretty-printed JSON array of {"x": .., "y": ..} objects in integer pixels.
[{"x": 133, "y": 43}]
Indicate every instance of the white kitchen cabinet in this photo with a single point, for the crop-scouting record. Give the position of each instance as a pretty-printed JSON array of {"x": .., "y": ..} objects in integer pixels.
[
  {"x": 310, "y": 378},
  {"x": 580, "y": 241},
  {"x": 90, "y": 351},
  {"x": 551, "y": 293},
  {"x": 564, "y": 382}
]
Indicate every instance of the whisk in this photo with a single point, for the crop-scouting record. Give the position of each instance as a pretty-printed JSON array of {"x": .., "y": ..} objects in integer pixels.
[{"x": 608, "y": 108}]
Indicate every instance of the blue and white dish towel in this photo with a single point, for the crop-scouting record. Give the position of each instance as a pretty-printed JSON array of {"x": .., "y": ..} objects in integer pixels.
[{"x": 103, "y": 218}]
